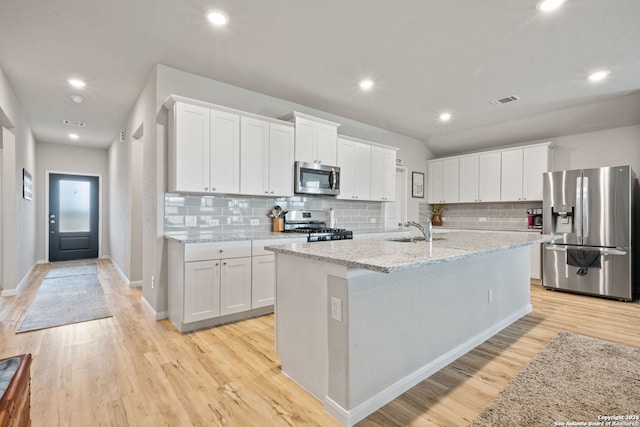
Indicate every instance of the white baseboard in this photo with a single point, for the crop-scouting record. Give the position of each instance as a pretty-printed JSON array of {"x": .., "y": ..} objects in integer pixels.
[
  {"x": 23, "y": 282},
  {"x": 350, "y": 417},
  {"x": 157, "y": 315}
]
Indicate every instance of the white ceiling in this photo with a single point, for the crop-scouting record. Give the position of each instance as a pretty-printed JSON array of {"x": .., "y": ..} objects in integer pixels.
[{"x": 426, "y": 56}]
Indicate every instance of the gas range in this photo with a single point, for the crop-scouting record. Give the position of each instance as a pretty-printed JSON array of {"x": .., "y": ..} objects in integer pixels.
[
  {"x": 313, "y": 223},
  {"x": 318, "y": 234}
]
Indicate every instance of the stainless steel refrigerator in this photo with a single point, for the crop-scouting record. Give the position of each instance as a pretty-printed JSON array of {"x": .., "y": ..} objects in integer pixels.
[{"x": 593, "y": 211}]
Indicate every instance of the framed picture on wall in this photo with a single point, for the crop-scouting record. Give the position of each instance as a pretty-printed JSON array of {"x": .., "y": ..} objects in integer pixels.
[
  {"x": 417, "y": 184},
  {"x": 27, "y": 185}
]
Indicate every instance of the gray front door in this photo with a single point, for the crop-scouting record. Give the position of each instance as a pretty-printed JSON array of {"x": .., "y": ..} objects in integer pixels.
[{"x": 73, "y": 217}]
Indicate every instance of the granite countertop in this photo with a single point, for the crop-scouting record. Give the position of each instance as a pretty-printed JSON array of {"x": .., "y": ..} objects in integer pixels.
[
  {"x": 387, "y": 256},
  {"x": 260, "y": 235}
]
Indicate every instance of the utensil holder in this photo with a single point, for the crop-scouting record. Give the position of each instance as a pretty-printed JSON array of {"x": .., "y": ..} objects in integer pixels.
[{"x": 278, "y": 225}]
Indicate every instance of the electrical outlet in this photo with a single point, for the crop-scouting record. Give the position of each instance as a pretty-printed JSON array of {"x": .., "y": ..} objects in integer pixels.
[
  {"x": 255, "y": 222},
  {"x": 336, "y": 309},
  {"x": 153, "y": 282},
  {"x": 373, "y": 220},
  {"x": 490, "y": 296},
  {"x": 482, "y": 219},
  {"x": 213, "y": 222}
]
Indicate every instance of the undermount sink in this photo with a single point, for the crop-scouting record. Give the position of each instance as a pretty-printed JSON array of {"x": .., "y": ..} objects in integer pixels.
[{"x": 412, "y": 239}]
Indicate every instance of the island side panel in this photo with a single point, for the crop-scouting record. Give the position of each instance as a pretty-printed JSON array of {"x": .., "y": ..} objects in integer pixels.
[
  {"x": 301, "y": 320},
  {"x": 400, "y": 328}
]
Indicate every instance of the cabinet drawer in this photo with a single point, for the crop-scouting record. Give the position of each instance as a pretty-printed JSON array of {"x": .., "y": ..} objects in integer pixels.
[
  {"x": 216, "y": 250},
  {"x": 258, "y": 245}
]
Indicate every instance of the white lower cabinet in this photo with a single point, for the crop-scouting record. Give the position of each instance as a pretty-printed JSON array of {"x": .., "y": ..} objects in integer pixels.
[
  {"x": 201, "y": 290},
  {"x": 264, "y": 280},
  {"x": 219, "y": 282},
  {"x": 235, "y": 285},
  {"x": 208, "y": 282},
  {"x": 263, "y": 274}
]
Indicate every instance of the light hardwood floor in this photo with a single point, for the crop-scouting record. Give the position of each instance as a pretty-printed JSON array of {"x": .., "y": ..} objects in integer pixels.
[{"x": 130, "y": 370}]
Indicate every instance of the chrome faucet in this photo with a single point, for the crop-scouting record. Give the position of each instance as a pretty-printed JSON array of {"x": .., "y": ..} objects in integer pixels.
[{"x": 427, "y": 231}]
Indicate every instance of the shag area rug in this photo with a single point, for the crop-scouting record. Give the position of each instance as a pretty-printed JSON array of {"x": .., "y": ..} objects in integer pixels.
[
  {"x": 575, "y": 380},
  {"x": 67, "y": 295}
]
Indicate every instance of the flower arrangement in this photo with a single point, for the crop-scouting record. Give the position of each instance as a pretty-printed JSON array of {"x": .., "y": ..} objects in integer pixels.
[{"x": 436, "y": 208}]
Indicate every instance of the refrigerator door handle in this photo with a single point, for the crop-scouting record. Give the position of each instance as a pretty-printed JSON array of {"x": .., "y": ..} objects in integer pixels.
[
  {"x": 603, "y": 251},
  {"x": 585, "y": 208},
  {"x": 577, "y": 220}
]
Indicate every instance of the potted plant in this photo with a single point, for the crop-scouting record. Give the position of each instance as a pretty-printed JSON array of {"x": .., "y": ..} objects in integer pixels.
[{"x": 436, "y": 213}]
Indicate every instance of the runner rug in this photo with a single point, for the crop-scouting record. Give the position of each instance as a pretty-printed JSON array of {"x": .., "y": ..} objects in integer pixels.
[
  {"x": 68, "y": 294},
  {"x": 575, "y": 380}
]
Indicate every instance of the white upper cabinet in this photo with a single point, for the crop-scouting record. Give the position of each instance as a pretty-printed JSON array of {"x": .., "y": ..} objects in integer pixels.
[
  {"x": 316, "y": 139},
  {"x": 536, "y": 161},
  {"x": 254, "y": 156},
  {"x": 489, "y": 177},
  {"x": 281, "y": 146},
  {"x": 204, "y": 150},
  {"x": 225, "y": 152},
  {"x": 511, "y": 174},
  {"x": 434, "y": 181},
  {"x": 367, "y": 171},
  {"x": 189, "y": 148},
  {"x": 443, "y": 180},
  {"x": 354, "y": 161},
  {"x": 511, "y": 182},
  {"x": 266, "y": 158},
  {"x": 522, "y": 170},
  {"x": 383, "y": 174},
  {"x": 469, "y": 170}
]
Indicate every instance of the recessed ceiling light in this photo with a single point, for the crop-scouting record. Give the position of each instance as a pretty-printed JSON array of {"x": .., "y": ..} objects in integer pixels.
[
  {"x": 549, "y": 5},
  {"x": 77, "y": 99},
  {"x": 598, "y": 75},
  {"x": 445, "y": 117},
  {"x": 74, "y": 136},
  {"x": 366, "y": 84},
  {"x": 77, "y": 83},
  {"x": 217, "y": 18}
]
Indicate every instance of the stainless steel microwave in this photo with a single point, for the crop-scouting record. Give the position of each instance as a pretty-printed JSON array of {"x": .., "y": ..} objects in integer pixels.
[{"x": 315, "y": 178}]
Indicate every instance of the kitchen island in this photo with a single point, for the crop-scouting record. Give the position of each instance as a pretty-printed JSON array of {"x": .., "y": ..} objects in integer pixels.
[{"x": 359, "y": 322}]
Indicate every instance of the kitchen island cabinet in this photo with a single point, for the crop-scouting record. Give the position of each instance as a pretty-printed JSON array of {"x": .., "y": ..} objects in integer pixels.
[{"x": 373, "y": 318}]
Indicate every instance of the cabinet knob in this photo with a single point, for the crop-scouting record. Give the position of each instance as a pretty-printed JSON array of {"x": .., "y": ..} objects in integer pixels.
[
  {"x": 213, "y": 189},
  {"x": 272, "y": 192},
  {"x": 206, "y": 188},
  {"x": 224, "y": 263},
  {"x": 220, "y": 251}
]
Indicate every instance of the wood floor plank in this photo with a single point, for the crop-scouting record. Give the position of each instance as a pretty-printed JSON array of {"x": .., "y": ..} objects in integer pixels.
[{"x": 130, "y": 370}]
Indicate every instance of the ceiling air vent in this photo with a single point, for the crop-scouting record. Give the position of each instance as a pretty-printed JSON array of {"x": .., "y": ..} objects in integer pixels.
[
  {"x": 505, "y": 100},
  {"x": 74, "y": 123}
]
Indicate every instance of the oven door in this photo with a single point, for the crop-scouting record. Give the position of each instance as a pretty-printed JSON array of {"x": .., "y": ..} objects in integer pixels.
[{"x": 313, "y": 178}]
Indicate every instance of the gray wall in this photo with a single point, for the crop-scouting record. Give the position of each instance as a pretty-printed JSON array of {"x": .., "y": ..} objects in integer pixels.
[
  {"x": 18, "y": 214},
  {"x": 59, "y": 158}
]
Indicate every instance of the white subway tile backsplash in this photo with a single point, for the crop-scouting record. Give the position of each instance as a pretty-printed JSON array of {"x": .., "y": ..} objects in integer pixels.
[
  {"x": 228, "y": 214},
  {"x": 497, "y": 216}
]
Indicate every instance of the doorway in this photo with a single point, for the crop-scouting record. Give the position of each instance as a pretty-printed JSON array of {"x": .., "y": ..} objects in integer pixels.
[
  {"x": 396, "y": 212},
  {"x": 73, "y": 217}
]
